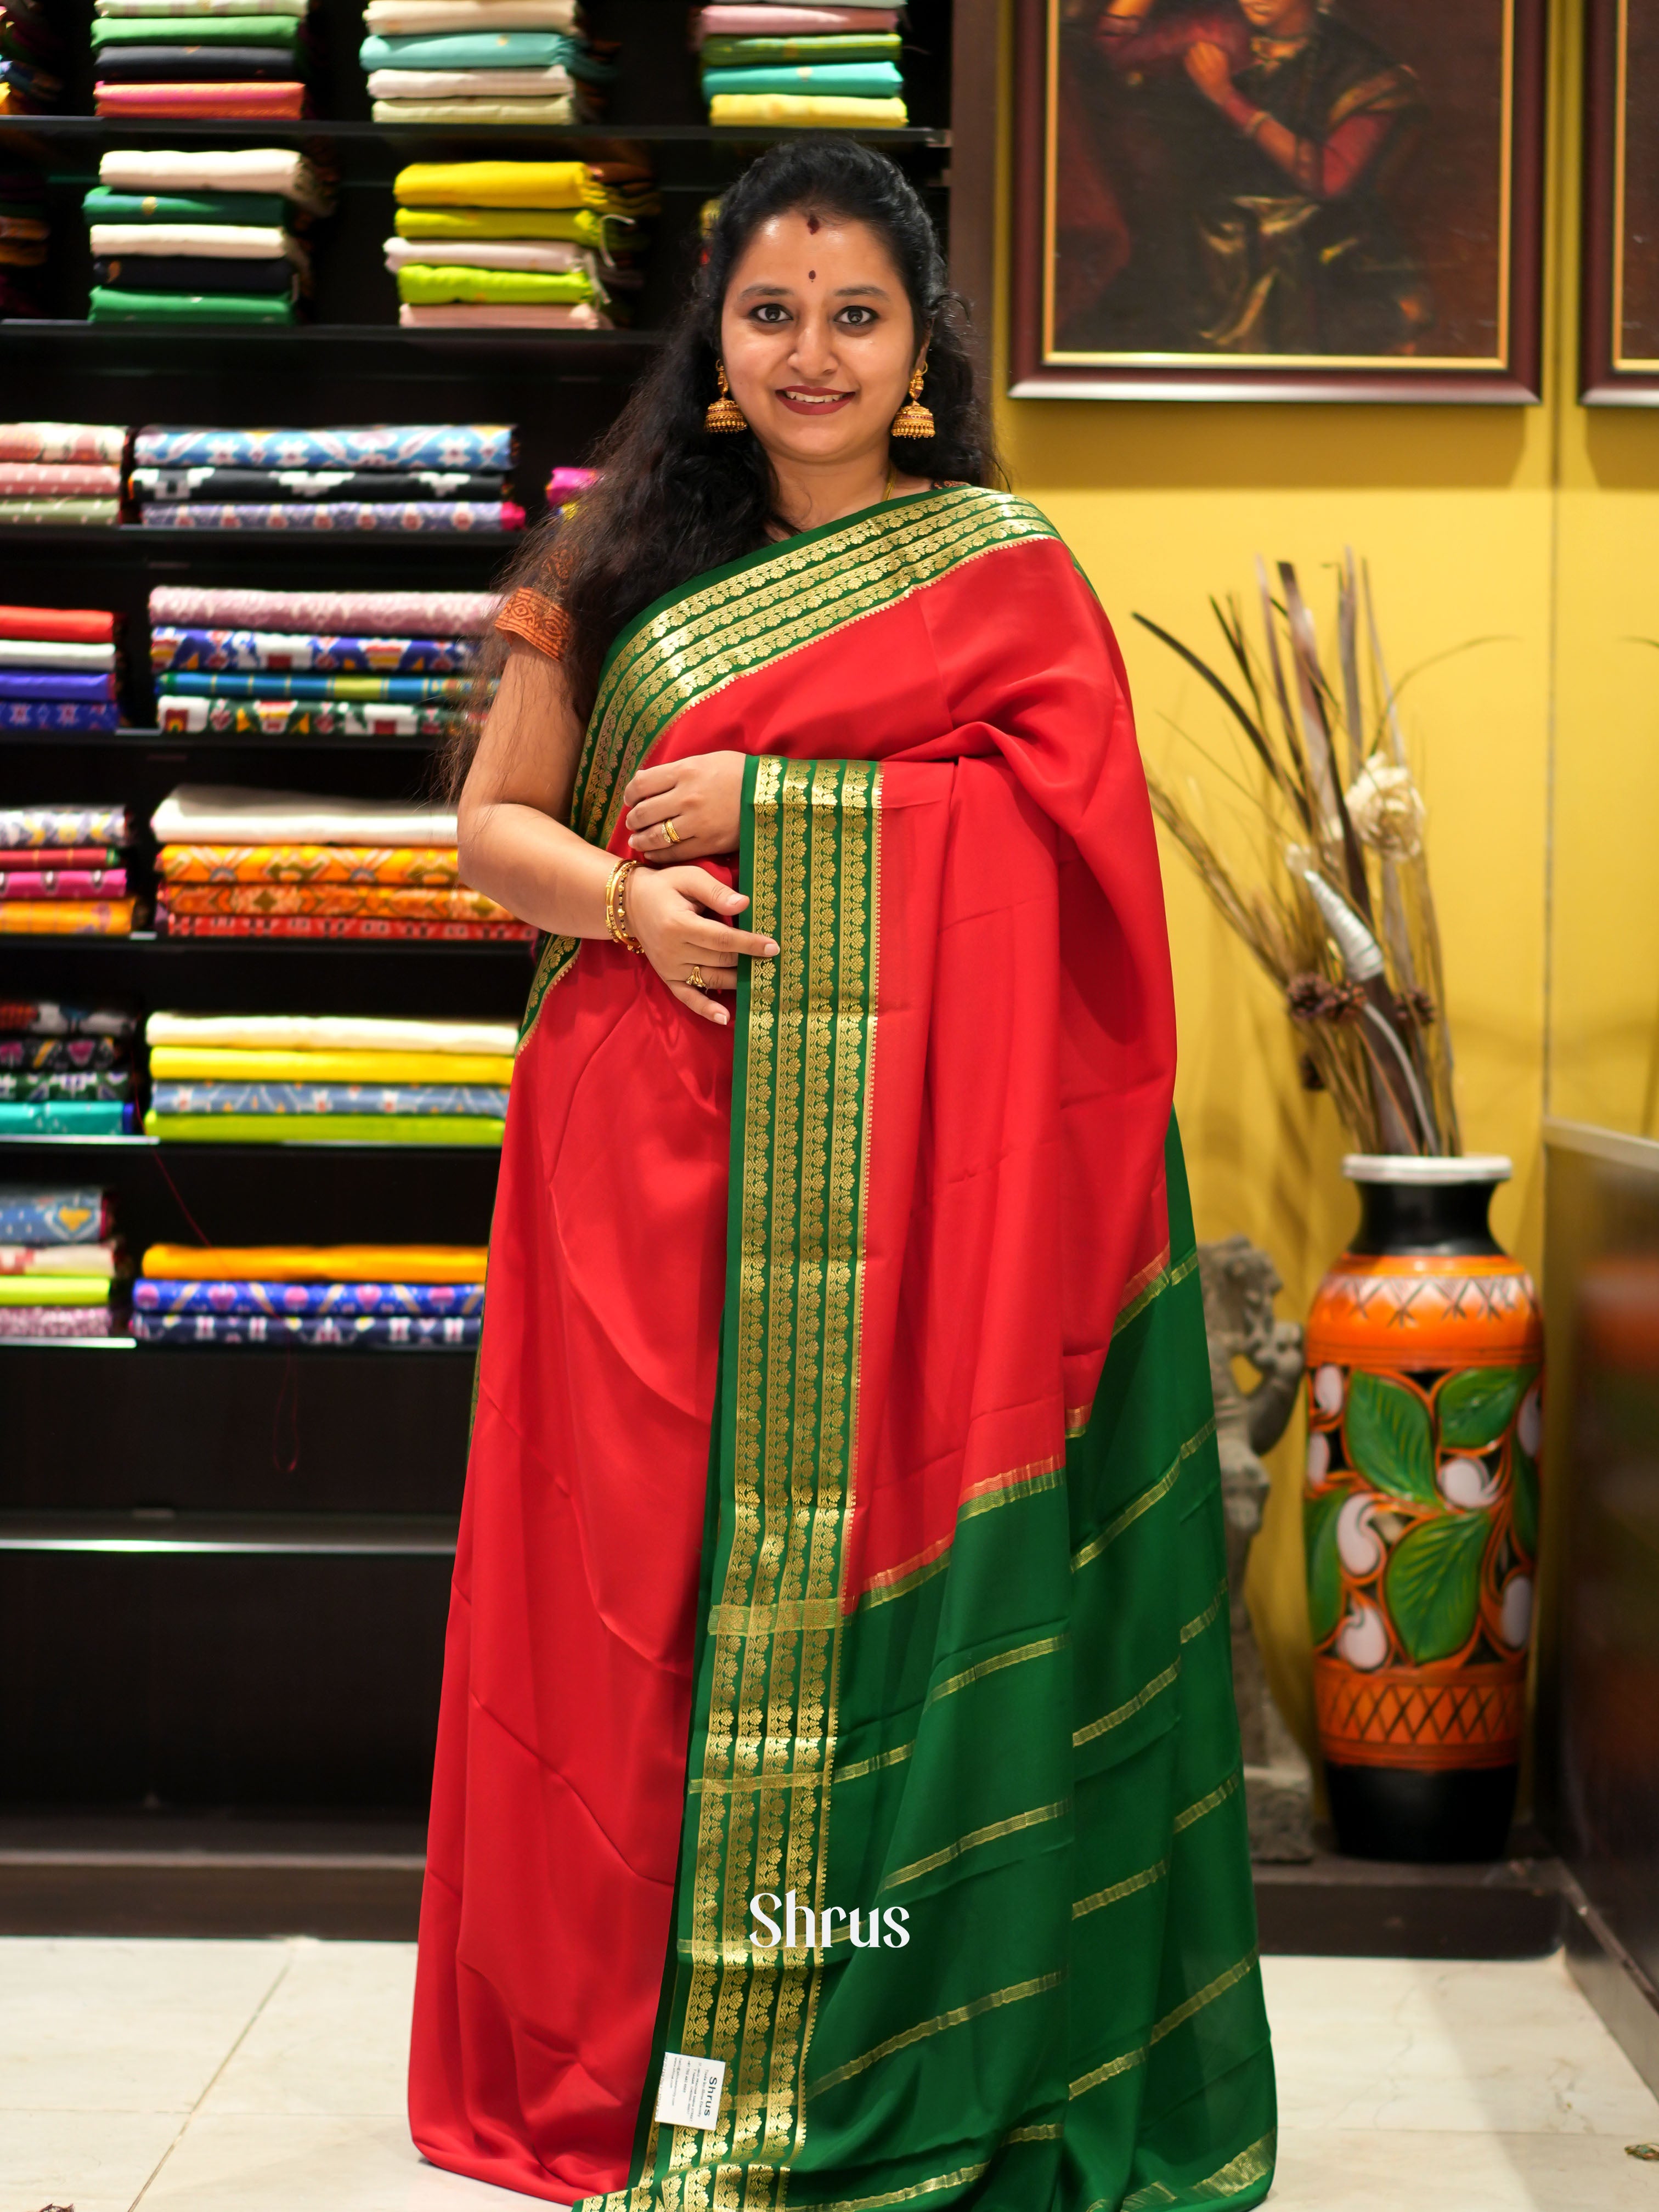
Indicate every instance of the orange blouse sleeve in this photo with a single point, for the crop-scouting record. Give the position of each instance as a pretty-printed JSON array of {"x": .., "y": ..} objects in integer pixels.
[{"x": 537, "y": 619}]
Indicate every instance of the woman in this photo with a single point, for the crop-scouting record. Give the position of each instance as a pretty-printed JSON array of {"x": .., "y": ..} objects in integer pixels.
[{"x": 837, "y": 1688}]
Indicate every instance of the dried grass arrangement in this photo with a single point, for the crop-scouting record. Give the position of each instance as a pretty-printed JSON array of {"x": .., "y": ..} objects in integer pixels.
[{"x": 1333, "y": 897}]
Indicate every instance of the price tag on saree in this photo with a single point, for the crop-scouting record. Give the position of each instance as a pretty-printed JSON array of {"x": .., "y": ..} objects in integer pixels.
[{"x": 688, "y": 2093}]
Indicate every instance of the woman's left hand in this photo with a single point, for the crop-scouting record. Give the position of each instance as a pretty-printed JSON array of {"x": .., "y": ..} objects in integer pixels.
[{"x": 700, "y": 798}]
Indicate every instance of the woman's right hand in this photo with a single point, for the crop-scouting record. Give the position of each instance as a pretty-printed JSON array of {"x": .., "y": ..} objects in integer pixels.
[{"x": 681, "y": 917}]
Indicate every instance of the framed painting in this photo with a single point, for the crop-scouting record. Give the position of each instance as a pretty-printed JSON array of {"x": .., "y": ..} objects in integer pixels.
[
  {"x": 1279, "y": 199},
  {"x": 1619, "y": 351}
]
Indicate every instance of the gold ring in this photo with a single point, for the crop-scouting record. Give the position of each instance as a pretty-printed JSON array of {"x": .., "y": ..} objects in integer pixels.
[
  {"x": 694, "y": 979},
  {"x": 670, "y": 833}
]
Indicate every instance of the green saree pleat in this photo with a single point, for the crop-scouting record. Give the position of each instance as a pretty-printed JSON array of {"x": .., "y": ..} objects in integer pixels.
[{"x": 1022, "y": 1754}]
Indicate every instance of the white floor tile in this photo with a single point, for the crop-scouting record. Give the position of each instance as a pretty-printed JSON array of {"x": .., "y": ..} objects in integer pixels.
[
  {"x": 1508, "y": 2047},
  {"x": 96, "y": 2161},
  {"x": 259, "y": 2162},
  {"x": 1394, "y": 2171},
  {"x": 122, "y": 2025},
  {"x": 333, "y": 2038}
]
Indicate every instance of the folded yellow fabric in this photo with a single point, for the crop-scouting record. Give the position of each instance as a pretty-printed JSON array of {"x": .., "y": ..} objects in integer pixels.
[
  {"x": 316, "y": 1263},
  {"x": 54, "y": 1289},
  {"x": 228, "y": 1063},
  {"x": 324, "y": 1128},
  {"x": 495, "y": 184},
  {"x": 804, "y": 107}
]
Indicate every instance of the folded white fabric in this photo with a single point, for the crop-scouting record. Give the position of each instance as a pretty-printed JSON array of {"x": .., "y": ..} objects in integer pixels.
[
  {"x": 414, "y": 17},
  {"x": 213, "y": 241},
  {"x": 549, "y": 256},
  {"x": 209, "y": 814},
  {"x": 474, "y": 111},
  {"x": 245, "y": 169},
  {"x": 481, "y": 84},
  {"x": 46, "y": 652},
  {"x": 328, "y": 1033},
  {"x": 478, "y": 315}
]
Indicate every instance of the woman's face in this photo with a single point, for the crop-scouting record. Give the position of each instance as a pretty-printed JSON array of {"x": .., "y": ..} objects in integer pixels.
[{"x": 817, "y": 337}]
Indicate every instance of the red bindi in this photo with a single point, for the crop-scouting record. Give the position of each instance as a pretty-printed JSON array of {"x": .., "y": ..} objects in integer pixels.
[{"x": 811, "y": 276}]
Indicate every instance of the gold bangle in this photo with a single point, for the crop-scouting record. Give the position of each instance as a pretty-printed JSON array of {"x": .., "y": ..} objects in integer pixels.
[{"x": 615, "y": 910}]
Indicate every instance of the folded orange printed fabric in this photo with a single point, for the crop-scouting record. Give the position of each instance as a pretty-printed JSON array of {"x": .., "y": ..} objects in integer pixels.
[
  {"x": 317, "y": 1263},
  {"x": 66, "y": 917},
  {"x": 430, "y": 865},
  {"x": 394, "y": 903}
]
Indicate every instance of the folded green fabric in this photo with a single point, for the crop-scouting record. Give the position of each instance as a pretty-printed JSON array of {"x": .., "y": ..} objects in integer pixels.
[
  {"x": 266, "y": 210},
  {"x": 846, "y": 80},
  {"x": 453, "y": 50},
  {"x": 195, "y": 30},
  {"x": 322, "y": 1128},
  {"x": 111, "y": 307},
  {"x": 432, "y": 284},
  {"x": 837, "y": 46}
]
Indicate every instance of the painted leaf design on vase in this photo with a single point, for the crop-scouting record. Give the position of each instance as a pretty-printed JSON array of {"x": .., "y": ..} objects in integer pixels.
[
  {"x": 1324, "y": 1564},
  {"x": 1432, "y": 1585},
  {"x": 1390, "y": 1438},
  {"x": 1523, "y": 1501},
  {"x": 1475, "y": 1405}
]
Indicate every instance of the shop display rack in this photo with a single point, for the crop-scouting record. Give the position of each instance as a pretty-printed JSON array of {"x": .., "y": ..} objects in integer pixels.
[{"x": 224, "y": 1572}]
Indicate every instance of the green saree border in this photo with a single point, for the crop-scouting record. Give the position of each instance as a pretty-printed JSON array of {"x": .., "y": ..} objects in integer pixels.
[{"x": 735, "y": 620}]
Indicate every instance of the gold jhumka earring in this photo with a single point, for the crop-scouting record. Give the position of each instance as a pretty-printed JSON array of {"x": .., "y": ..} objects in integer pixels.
[
  {"x": 913, "y": 419},
  {"x": 724, "y": 413}
]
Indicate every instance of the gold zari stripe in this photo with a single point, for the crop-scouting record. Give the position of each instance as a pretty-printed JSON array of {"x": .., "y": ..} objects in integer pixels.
[
  {"x": 1127, "y": 1888},
  {"x": 1171, "y": 2021},
  {"x": 955, "y": 2018},
  {"x": 1217, "y": 1796},
  {"x": 975, "y": 1840},
  {"x": 1148, "y": 1498},
  {"x": 988, "y": 1496},
  {"x": 1131, "y": 1706}
]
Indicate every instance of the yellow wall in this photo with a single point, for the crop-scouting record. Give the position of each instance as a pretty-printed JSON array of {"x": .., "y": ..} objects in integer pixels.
[{"x": 1534, "y": 525}]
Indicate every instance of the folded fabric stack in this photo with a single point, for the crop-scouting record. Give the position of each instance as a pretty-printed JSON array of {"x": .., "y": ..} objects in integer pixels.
[
  {"x": 60, "y": 1265},
  {"x": 25, "y": 229},
  {"x": 62, "y": 472},
  {"x": 285, "y": 864},
  {"x": 565, "y": 487},
  {"x": 202, "y": 238},
  {"x": 397, "y": 666},
  {"x": 834, "y": 68},
  {"x": 200, "y": 59},
  {"x": 514, "y": 244},
  {"x": 386, "y": 476},
  {"x": 62, "y": 871},
  {"x": 31, "y": 59},
  {"x": 482, "y": 61},
  {"x": 65, "y": 1070},
  {"x": 294, "y": 1079},
  {"x": 384, "y": 1296},
  {"x": 57, "y": 670}
]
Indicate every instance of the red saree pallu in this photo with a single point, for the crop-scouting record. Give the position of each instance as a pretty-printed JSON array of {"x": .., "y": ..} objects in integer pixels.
[{"x": 843, "y": 1534}]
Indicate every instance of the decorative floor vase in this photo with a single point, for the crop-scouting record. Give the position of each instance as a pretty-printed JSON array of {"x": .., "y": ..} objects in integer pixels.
[{"x": 1425, "y": 1349}]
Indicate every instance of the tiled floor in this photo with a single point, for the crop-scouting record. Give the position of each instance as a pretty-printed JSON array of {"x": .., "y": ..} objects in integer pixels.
[{"x": 268, "y": 2077}]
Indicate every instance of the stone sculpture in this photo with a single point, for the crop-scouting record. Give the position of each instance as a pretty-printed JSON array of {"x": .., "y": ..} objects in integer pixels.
[{"x": 1239, "y": 1283}]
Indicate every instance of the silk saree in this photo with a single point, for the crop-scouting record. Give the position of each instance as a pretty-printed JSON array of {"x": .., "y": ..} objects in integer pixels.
[{"x": 842, "y": 1523}]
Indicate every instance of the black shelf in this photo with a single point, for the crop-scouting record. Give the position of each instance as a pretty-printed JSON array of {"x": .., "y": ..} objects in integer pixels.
[
  {"x": 147, "y": 946},
  {"x": 157, "y": 1532},
  {"x": 249, "y": 1154},
  {"x": 174, "y": 745}
]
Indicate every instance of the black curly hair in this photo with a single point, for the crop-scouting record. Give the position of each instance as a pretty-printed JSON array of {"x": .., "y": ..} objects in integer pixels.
[{"x": 674, "y": 498}]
